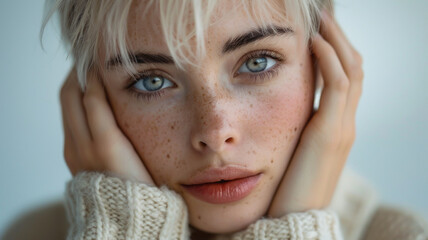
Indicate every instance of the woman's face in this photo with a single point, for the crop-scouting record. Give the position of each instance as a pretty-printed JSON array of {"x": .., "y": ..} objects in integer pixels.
[{"x": 238, "y": 114}]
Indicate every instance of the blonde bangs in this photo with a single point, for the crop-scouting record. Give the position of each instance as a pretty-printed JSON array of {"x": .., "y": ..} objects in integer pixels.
[{"x": 88, "y": 26}]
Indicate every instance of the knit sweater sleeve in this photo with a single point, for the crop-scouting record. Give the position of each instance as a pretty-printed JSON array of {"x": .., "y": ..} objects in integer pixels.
[
  {"x": 100, "y": 206},
  {"x": 310, "y": 225}
]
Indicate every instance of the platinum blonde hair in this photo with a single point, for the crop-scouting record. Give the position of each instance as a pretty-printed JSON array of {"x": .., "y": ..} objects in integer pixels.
[{"x": 87, "y": 26}]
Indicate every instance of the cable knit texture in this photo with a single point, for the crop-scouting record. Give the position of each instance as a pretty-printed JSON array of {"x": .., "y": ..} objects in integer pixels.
[
  {"x": 314, "y": 224},
  {"x": 105, "y": 207}
]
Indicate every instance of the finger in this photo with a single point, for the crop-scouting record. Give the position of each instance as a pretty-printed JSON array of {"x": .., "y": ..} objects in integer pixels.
[
  {"x": 334, "y": 35},
  {"x": 350, "y": 59},
  {"x": 100, "y": 117},
  {"x": 70, "y": 154},
  {"x": 74, "y": 116},
  {"x": 334, "y": 94}
]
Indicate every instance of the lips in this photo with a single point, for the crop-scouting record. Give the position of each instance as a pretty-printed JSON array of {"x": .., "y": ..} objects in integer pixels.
[{"x": 222, "y": 185}]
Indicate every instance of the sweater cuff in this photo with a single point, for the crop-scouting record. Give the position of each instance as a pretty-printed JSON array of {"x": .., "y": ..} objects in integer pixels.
[
  {"x": 107, "y": 207},
  {"x": 310, "y": 225}
]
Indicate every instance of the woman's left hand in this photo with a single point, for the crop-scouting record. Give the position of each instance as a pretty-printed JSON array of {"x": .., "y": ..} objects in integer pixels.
[{"x": 312, "y": 175}]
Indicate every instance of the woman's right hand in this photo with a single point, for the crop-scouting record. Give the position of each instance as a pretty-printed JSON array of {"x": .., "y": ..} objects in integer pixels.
[{"x": 93, "y": 140}]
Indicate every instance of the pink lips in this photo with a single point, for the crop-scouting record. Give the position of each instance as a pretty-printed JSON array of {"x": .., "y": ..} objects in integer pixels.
[{"x": 222, "y": 185}]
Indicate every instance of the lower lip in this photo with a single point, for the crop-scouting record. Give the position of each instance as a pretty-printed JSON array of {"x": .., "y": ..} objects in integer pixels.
[{"x": 226, "y": 192}]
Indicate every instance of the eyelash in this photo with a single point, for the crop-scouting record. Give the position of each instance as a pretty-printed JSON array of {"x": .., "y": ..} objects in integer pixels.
[
  {"x": 142, "y": 95},
  {"x": 270, "y": 73},
  {"x": 255, "y": 77}
]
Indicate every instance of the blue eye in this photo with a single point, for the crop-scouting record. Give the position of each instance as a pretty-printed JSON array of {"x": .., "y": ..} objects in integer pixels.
[
  {"x": 152, "y": 83},
  {"x": 257, "y": 64}
]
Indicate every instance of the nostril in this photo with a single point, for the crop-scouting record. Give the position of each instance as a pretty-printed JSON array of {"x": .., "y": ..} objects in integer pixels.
[
  {"x": 202, "y": 144},
  {"x": 229, "y": 140}
]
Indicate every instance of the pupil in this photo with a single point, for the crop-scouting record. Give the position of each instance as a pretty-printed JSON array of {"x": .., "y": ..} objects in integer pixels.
[
  {"x": 153, "y": 83},
  {"x": 257, "y": 64}
]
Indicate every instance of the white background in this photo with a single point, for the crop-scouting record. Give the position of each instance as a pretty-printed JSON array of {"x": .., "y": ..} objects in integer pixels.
[{"x": 391, "y": 148}]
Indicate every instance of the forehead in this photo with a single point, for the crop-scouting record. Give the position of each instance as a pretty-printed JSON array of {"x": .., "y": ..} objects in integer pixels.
[{"x": 228, "y": 19}]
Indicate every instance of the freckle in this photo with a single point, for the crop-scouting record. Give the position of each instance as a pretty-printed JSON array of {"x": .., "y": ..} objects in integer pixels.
[
  {"x": 254, "y": 152},
  {"x": 169, "y": 140},
  {"x": 271, "y": 177},
  {"x": 202, "y": 88},
  {"x": 251, "y": 105},
  {"x": 172, "y": 127},
  {"x": 295, "y": 129},
  {"x": 199, "y": 217},
  {"x": 274, "y": 149},
  {"x": 271, "y": 161},
  {"x": 167, "y": 156},
  {"x": 249, "y": 92}
]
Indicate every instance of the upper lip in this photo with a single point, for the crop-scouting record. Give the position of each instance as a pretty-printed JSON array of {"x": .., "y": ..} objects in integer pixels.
[{"x": 212, "y": 175}]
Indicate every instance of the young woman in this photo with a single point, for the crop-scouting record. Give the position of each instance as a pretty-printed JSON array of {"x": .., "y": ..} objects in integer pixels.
[{"x": 195, "y": 119}]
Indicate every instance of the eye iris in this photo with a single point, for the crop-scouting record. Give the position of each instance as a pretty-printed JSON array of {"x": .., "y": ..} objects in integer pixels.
[
  {"x": 257, "y": 64},
  {"x": 153, "y": 83}
]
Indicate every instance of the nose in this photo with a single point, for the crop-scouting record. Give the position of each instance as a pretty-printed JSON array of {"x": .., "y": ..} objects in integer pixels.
[{"x": 215, "y": 127}]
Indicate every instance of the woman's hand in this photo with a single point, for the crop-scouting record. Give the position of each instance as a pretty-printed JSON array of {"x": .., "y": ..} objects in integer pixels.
[
  {"x": 93, "y": 140},
  {"x": 310, "y": 179}
]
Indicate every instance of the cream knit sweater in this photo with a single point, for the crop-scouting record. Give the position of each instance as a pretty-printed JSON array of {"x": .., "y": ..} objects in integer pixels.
[{"x": 101, "y": 206}]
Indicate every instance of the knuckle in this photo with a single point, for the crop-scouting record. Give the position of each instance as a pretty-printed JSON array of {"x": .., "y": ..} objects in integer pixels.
[{"x": 341, "y": 84}]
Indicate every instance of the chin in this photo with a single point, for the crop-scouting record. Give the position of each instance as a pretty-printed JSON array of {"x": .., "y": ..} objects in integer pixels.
[{"x": 225, "y": 219}]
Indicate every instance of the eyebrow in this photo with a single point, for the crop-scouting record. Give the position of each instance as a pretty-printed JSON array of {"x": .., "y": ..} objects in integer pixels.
[
  {"x": 141, "y": 58},
  {"x": 255, "y": 35},
  {"x": 230, "y": 45}
]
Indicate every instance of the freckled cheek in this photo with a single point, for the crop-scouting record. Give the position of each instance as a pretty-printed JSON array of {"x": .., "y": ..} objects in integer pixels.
[
  {"x": 157, "y": 139},
  {"x": 280, "y": 115}
]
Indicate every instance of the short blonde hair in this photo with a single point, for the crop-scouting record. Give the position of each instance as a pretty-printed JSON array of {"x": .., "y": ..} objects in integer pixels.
[{"x": 88, "y": 25}]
